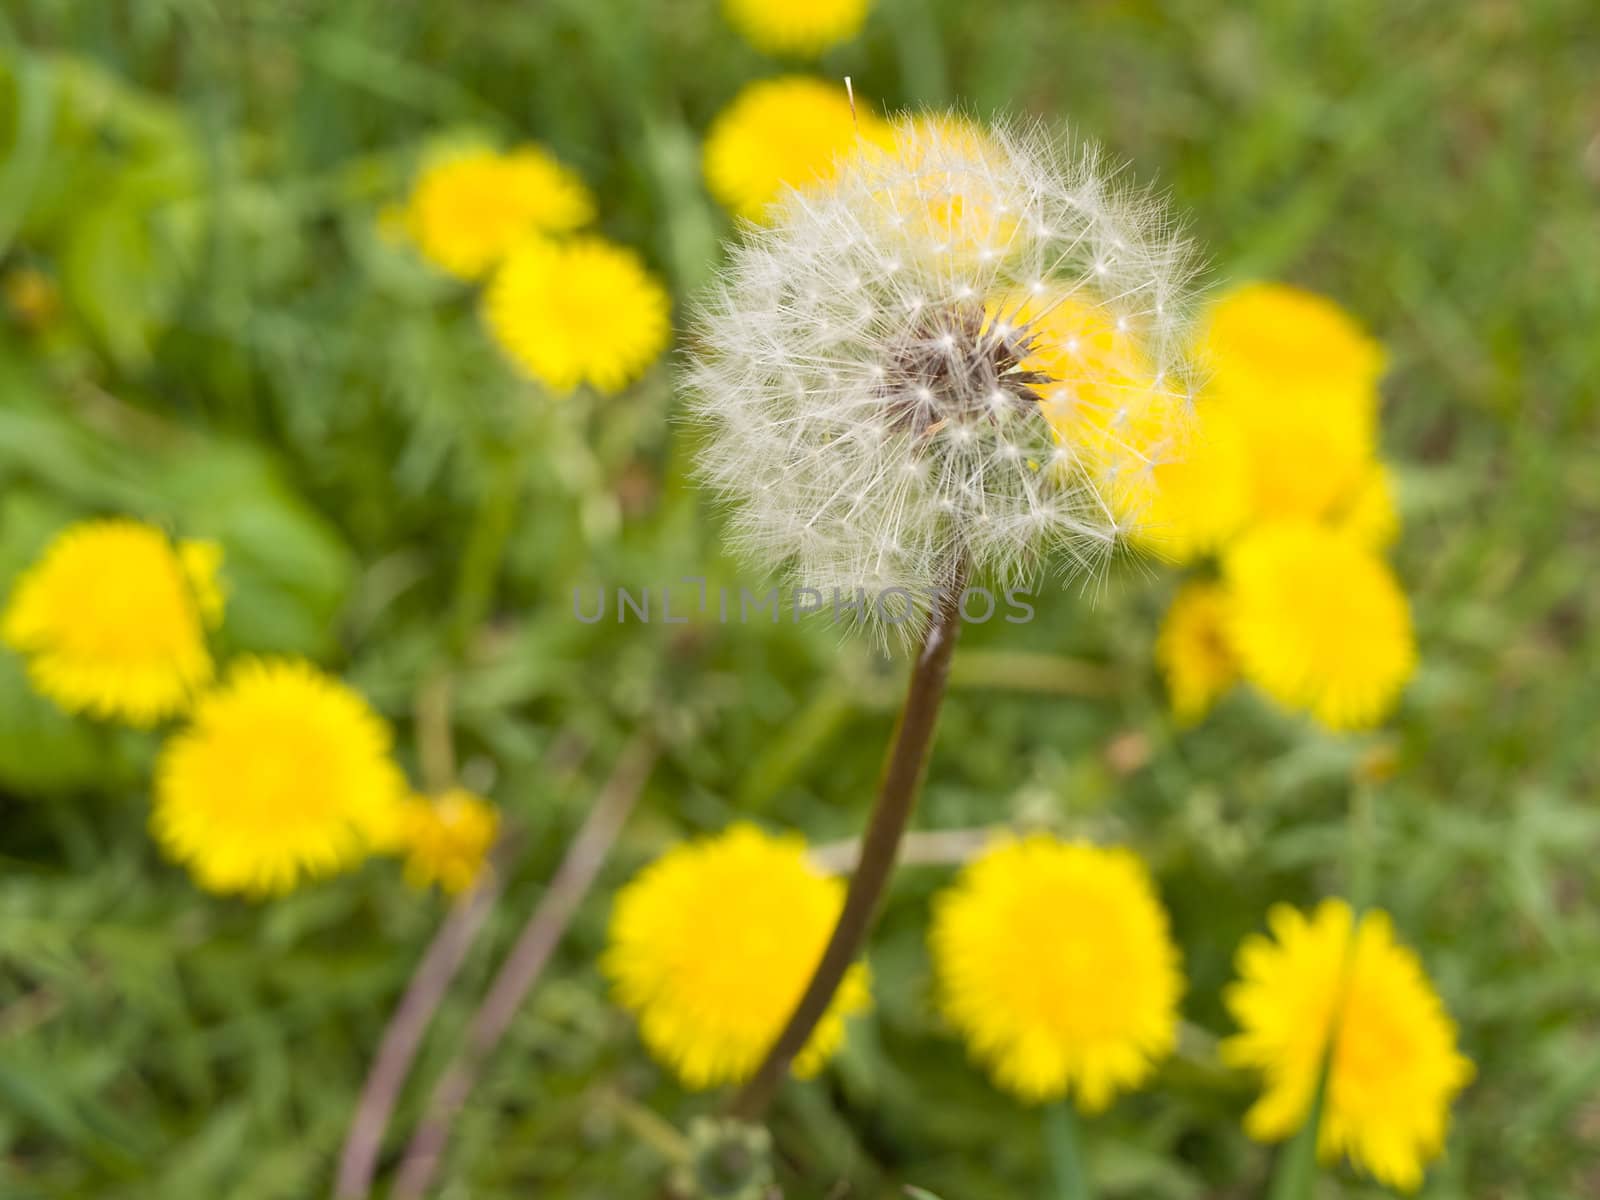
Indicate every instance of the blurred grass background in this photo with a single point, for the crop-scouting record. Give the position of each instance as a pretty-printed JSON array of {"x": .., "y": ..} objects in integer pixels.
[{"x": 235, "y": 351}]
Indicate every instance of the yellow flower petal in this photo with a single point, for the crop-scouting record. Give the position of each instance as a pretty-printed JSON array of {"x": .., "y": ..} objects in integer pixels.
[
  {"x": 1166, "y": 482},
  {"x": 1298, "y": 379},
  {"x": 1370, "y": 515}
]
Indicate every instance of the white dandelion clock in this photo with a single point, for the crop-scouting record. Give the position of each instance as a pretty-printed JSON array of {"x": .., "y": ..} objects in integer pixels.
[{"x": 962, "y": 354}]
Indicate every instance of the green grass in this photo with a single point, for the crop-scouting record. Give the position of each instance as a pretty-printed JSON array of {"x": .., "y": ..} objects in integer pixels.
[{"x": 240, "y": 356}]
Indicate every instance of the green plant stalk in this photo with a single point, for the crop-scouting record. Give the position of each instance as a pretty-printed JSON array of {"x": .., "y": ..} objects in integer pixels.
[
  {"x": 1295, "y": 1177},
  {"x": 1065, "y": 1151},
  {"x": 484, "y": 554},
  {"x": 880, "y": 845}
]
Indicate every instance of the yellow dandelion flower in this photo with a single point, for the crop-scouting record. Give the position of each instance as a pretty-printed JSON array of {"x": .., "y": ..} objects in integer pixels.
[
  {"x": 1287, "y": 337},
  {"x": 112, "y": 620},
  {"x": 1300, "y": 380},
  {"x": 804, "y": 28},
  {"x": 202, "y": 567},
  {"x": 446, "y": 840},
  {"x": 283, "y": 774},
  {"x": 1330, "y": 988},
  {"x": 1319, "y": 623},
  {"x": 578, "y": 312},
  {"x": 1054, "y": 961},
  {"x": 1185, "y": 478},
  {"x": 711, "y": 946},
  {"x": 1171, "y": 473},
  {"x": 471, "y": 206},
  {"x": 1371, "y": 516},
  {"x": 782, "y": 133},
  {"x": 1192, "y": 650},
  {"x": 1096, "y": 377}
]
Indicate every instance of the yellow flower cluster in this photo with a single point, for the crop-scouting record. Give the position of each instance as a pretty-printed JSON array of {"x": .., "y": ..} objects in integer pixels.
[
  {"x": 1280, "y": 480},
  {"x": 566, "y": 311},
  {"x": 280, "y": 773},
  {"x": 1055, "y": 963},
  {"x": 1329, "y": 990}
]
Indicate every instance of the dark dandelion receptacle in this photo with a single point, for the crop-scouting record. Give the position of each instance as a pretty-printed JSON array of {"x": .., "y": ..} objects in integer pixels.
[{"x": 960, "y": 367}]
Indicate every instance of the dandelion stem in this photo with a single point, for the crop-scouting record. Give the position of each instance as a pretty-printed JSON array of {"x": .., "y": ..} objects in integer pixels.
[
  {"x": 524, "y": 964},
  {"x": 403, "y": 1035},
  {"x": 1066, "y": 1155},
  {"x": 484, "y": 554},
  {"x": 1295, "y": 1177},
  {"x": 897, "y": 798}
]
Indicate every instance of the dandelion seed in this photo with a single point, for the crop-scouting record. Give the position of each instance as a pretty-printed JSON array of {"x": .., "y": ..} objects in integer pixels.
[
  {"x": 1329, "y": 984},
  {"x": 778, "y": 379},
  {"x": 112, "y": 620}
]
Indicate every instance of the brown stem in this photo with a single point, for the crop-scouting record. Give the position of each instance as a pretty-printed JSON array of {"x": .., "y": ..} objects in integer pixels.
[
  {"x": 523, "y": 966},
  {"x": 897, "y": 798},
  {"x": 405, "y": 1031}
]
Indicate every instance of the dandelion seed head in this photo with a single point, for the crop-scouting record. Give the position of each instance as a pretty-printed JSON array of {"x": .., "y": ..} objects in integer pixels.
[{"x": 905, "y": 437}]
